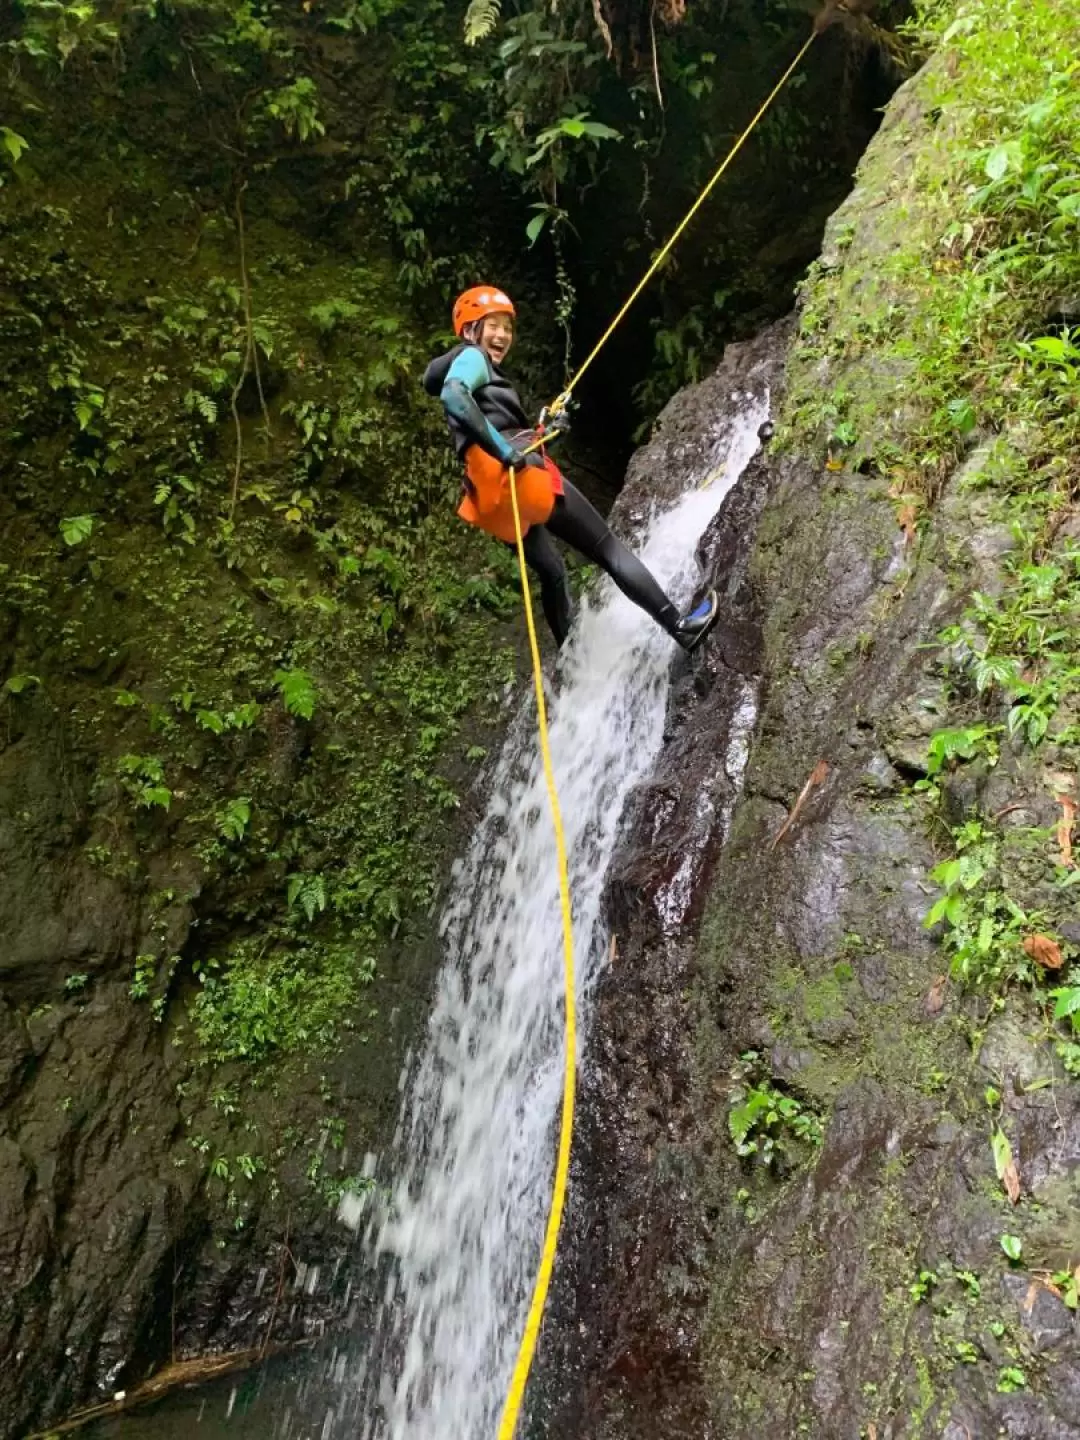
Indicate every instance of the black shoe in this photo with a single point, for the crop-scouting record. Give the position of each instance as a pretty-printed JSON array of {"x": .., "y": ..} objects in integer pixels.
[{"x": 691, "y": 630}]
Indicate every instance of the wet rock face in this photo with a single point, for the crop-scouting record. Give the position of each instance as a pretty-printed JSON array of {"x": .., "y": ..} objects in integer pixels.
[
  {"x": 768, "y": 901},
  {"x": 613, "y": 1346},
  {"x": 107, "y": 1253}
]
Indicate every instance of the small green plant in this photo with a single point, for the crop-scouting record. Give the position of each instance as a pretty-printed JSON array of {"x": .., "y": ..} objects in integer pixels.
[
  {"x": 970, "y": 1281},
  {"x": 145, "y": 970},
  {"x": 765, "y": 1122},
  {"x": 1010, "y": 1379},
  {"x": 296, "y": 108},
  {"x": 12, "y": 145},
  {"x": 143, "y": 777},
  {"x": 948, "y": 746},
  {"x": 308, "y": 892},
  {"x": 329, "y": 314},
  {"x": 232, "y": 821},
  {"x": 1013, "y": 1247},
  {"x": 76, "y": 528},
  {"x": 1068, "y": 1283},
  {"x": 983, "y": 927},
  {"x": 19, "y": 684},
  {"x": 75, "y": 984},
  {"x": 297, "y": 692},
  {"x": 921, "y": 1287},
  {"x": 176, "y": 497}
]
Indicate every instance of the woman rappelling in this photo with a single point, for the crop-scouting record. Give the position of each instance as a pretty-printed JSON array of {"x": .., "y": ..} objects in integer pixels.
[{"x": 491, "y": 434}]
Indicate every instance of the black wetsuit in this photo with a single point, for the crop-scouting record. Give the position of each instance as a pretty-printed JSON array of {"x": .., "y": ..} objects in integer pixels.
[{"x": 483, "y": 408}]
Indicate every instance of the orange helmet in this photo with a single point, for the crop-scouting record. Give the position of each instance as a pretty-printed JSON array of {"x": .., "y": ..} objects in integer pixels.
[{"x": 481, "y": 300}]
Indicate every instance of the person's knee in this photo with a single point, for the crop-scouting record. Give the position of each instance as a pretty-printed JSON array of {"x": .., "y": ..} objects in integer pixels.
[{"x": 612, "y": 555}]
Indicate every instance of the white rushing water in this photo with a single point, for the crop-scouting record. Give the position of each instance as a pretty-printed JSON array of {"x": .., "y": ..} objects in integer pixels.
[{"x": 472, "y": 1161}]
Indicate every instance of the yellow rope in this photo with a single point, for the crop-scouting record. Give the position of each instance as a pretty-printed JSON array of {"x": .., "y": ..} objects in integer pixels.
[
  {"x": 527, "y": 1349},
  {"x": 562, "y": 1167},
  {"x": 561, "y": 400}
]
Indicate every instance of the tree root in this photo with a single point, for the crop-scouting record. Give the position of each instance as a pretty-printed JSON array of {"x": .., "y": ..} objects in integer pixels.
[{"x": 197, "y": 1371}]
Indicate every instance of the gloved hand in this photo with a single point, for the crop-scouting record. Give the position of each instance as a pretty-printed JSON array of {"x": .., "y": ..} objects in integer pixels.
[
  {"x": 515, "y": 459},
  {"x": 554, "y": 423},
  {"x": 559, "y": 422}
]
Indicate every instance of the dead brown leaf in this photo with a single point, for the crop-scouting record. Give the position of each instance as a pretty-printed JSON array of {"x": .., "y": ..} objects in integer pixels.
[
  {"x": 935, "y": 998},
  {"x": 613, "y": 950},
  {"x": 1031, "y": 1296},
  {"x": 1065, "y": 829},
  {"x": 817, "y": 776},
  {"x": 1010, "y": 1178},
  {"x": 1044, "y": 951},
  {"x": 871, "y": 1431},
  {"x": 907, "y": 519}
]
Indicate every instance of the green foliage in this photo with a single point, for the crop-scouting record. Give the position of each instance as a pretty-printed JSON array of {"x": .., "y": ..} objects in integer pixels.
[
  {"x": 232, "y": 821},
  {"x": 143, "y": 777},
  {"x": 283, "y": 1002},
  {"x": 481, "y": 19},
  {"x": 296, "y": 108},
  {"x": 76, "y": 528},
  {"x": 54, "y": 30},
  {"x": 19, "y": 684},
  {"x": 923, "y": 1286},
  {"x": 308, "y": 892},
  {"x": 1013, "y": 1247},
  {"x": 763, "y": 1121},
  {"x": 1068, "y": 1282},
  {"x": 143, "y": 979},
  {"x": 297, "y": 692},
  {"x": 983, "y": 927},
  {"x": 329, "y": 314},
  {"x": 948, "y": 746},
  {"x": 12, "y": 145}
]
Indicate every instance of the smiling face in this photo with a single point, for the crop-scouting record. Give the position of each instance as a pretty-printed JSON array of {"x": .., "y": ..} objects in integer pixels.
[{"x": 495, "y": 336}]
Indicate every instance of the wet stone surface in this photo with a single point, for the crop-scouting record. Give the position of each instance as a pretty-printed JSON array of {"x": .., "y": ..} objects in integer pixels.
[{"x": 769, "y": 897}]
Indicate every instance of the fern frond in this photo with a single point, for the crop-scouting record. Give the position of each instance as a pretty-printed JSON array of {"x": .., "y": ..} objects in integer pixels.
[{"x": 481, "y": 18}]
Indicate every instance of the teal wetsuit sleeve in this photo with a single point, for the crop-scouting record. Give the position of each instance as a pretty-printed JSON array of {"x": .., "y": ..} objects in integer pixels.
[{"x": 467, "y": 373}]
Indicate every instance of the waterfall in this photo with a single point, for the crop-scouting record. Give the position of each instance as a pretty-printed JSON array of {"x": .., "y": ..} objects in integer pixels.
[{"x": 471, "y": 1164}]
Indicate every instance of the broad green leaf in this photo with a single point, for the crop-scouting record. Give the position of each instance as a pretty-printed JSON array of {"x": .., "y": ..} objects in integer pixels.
[
  {"x": 297, "y": 691},
  {"x": 601, "y": 132},
  {"x": 956, "y": 910},
  {"x": 936, "y": 913},
  {"x": 16, "y": 684},
  {"x": 76, "y": 528},
  {"x": 1051, "y": 346},
  {"x": 1002, "y": 1152},
  {"x": 947, "y": 874},
  {"x": 534, "y": 227},
  {"x": 1068, "y": 1001},
  {"x": 1013, "y": 1246},
  {"x": 1003, "y": 158},
  {"x": 14, "y": 144}
]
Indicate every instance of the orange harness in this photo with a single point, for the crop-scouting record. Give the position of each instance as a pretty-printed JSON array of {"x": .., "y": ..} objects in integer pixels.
[{"x": 487, "y": 502}]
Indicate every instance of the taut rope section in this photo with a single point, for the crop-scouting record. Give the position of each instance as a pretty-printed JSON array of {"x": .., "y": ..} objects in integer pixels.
[{"x": 562, "y": 1167}]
